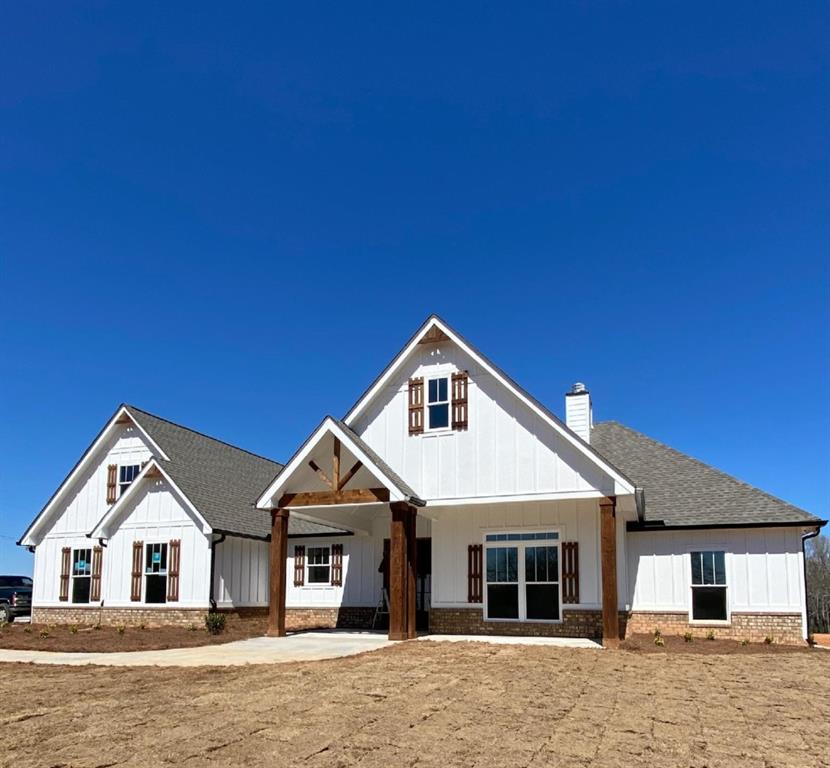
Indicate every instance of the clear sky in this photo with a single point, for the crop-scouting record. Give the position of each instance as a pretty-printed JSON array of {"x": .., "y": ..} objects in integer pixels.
[{"x": 235, "y": 215}]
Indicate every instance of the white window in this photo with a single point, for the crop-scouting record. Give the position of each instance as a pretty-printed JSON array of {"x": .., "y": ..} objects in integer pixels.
[
  {"x": 522, "y": 570},
  {"x": 81, "y": 575},
  {"x": 126, "y": 474},
  {"x": 709, "y": 586},
  {"x": 318, "y": 565},
  {"x": 155, "y": 573},
  {"x": 438, "y": 403}
]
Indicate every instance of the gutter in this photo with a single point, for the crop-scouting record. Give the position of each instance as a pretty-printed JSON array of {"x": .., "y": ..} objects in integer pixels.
[
  {"x": 804, "y": 538},
  {"x": 213, "y": 545},
  {"x": 659, "y": 525}
]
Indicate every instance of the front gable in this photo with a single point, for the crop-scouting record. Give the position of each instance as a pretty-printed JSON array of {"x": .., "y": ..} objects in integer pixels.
[
  {"x": 81, "y": 500},
  {"x": 511, "y": 445}
]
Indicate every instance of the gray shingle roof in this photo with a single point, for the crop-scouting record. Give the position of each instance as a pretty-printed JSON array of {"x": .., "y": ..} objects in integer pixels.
[
  {"x": 682, "y": 491},
  {"x": 220, "y": 480}
]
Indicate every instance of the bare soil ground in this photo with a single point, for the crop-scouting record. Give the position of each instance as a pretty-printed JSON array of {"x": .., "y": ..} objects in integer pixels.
[
  {"x": 676, "y": 644},
  {"x": 42, "y": 637},
  {"x": 429, "y": 704}
]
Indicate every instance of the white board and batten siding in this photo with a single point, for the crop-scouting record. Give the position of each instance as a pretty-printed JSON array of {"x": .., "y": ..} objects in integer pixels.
[
  {"x": 241, "y": 571},
  {"x": 158, "y": 515},
  {"x": 507, "y": 449},
  {"x": 764, "y": 568},
  {"x": 456, "y": 527},
  {"x": 78, "y": 508}
]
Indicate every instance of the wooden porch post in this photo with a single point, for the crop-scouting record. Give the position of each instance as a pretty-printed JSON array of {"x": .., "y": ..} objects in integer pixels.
[
  {"x": 399, "y": 567},
  {"x": 277, "y": 566},
  {"x": 608, "y": 547},
  {"x": 411, "y": 573}
]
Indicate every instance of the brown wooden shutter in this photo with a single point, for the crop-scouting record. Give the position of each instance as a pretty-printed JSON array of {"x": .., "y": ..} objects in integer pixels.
[
  {"x": 459, "y": 400},
  {"x": 416, "y": 406},
  {"x": 570, "y": 572},
  {"x": 474, "y": 573},
  {"x": 135, "y": 587},
  {"x": 173, "y": 559},
  {"x": 337, "y": 565},
  {"x": 95, "y": 585},
  {"x": 66, "y": 563},
  {"x": 112, "y": 483},
  {"x": 299, "y": 565}
]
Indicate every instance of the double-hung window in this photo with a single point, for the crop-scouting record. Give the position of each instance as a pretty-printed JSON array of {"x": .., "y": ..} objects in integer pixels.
[
  {"x": 126, "y": 474},
  {"x": 522, "y": 576},
  {"x": 318, "y": 565},
  {"x": 155, "y": 573},
  {"x": 81, "y": 575},
  {"x": 709, "y": 586},
  {"x": 438, "y": 403}
]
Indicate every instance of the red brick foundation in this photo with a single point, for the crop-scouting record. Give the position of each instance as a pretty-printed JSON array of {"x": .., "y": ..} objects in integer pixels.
[
  {"x": 755, "y": 627},
  {"x": 470, "y": 621},
  {"x": 150, "y": 617}
]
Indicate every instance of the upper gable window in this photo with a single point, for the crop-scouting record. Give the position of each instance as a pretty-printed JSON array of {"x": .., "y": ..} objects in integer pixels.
[
  {"x": 438, "y": 403},
  {"x": 126, "y": 474}
]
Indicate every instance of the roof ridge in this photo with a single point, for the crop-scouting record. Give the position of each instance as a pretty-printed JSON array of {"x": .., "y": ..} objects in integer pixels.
[
  {"x": 701, "y": 463},
  {"x": 201, "y": 434}
]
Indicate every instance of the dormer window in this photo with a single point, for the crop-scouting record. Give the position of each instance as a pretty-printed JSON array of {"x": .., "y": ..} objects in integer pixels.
[
  {"x": 126, "y": 474},
  {"x": 438, "y": 403}
]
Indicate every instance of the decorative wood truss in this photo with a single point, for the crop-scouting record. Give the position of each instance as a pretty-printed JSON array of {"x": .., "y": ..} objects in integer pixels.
[{"x": 337, "y": 493}]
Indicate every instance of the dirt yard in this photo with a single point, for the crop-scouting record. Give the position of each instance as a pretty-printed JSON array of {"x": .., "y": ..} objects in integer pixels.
[
  {"x": 429, "y": 704},
  {"x": 43, "y": 637}
]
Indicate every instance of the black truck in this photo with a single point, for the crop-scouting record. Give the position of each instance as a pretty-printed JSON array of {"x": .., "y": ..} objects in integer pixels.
[{"x": 15, "y": 597}]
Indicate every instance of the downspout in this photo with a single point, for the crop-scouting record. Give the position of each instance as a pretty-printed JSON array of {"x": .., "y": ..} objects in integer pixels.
[
  {"x": 213, "y": 544},
  {"x": 804, "y": 538}
]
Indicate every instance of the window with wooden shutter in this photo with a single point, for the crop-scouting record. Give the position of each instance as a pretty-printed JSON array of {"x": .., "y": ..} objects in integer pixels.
[
  {"x": 416, "y": 405},
  {"x": 299, "y": 565},
  {"x": 112, "y": 483},
  {"x": 135, "y": 582},
  {"x": 570, "y": 572},
  {"x": 337, "y": 565},
  {"x": 459, "y": 400},
  {"x": 66, "y": 560},
  {"x": 95, "y": 588},
  {"x": 474, "y": 573},
  {"x": 173, "y": 571}
]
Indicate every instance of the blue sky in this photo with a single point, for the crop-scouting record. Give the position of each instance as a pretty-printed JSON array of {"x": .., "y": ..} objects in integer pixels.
[{"x": 234, "y": 218}]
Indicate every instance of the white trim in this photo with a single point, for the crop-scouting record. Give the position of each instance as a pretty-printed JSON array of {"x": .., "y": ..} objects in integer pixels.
[
  {"x": 112, "y": 512},
  {"x": 81, "y": 466},
  {"x": 433, "y": 321},
  {"x": 313, "y": 584},
  {"x": 442, "y": 372},
  {"x": 515, "y": 497},
  {"x": 266, "y": 500},
  {"x": 727, "y": 567}
]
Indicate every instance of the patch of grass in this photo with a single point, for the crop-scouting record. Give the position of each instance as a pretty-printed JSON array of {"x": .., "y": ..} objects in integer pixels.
[
  {"x": 710, "y": 635},
  {"x": 769, "y": 640},
  {"x": 27, "y": 629},
  {"x": 745, "y": 641},
  {"x": 44, "y": 633},
  {"x": 73, "y": 628},
  {"x": 120, "y": 628},
  {"x": 658, "y": 640},
  {"x": 688, "y": 637}
]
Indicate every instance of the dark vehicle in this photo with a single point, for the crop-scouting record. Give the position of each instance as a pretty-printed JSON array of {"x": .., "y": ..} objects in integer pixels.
[{"x": 15, "y": 597}]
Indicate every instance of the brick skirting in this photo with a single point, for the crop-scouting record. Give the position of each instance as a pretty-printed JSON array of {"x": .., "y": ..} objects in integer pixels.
[
  {"x": 470, "y": 621},
  {"x": 755, "y": 627},
  {"x": 345, "y": 617},
  {"x": 151, "y": 617}
]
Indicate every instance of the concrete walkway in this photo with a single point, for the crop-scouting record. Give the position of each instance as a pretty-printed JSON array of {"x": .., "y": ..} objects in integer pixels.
[{"x": 302, "y": 646}]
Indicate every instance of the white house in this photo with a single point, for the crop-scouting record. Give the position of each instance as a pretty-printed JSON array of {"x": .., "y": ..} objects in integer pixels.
[{"x": 448, "y": 494}]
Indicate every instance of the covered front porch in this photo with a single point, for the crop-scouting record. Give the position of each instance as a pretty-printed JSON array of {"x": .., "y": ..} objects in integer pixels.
[{"x": 337, "y": 480}]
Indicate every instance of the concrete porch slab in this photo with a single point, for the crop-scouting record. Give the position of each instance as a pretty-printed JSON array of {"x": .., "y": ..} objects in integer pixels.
[
  {"x": 556, "y": 642},
  {"x": 299, "y": 646}
]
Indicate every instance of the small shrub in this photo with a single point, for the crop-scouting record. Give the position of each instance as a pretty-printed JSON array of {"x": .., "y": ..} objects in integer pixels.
[
  {"x": 97, "y": 626},
  {"x": 657, "y": 633},
  {"x": 3, "y": 624},
  {"x": 658, "y": 640},
  {"x": 710, "y": 635},
  {"x": 73, "y": 628},
  {"x": 44, "y": 633},
  {"x": 745, "y": 641},
  {"x": 193, "y": 627},
  {"x": 810, "y": 639},
  {"x": 215, "y": 623},
  {"x": 142, "y": 625},
  {"x": 121, "y": 629},
  {"x": 27, "y": 630},
  {"x": 768, "y": 640},
  {"x": 688, "y": 637}
]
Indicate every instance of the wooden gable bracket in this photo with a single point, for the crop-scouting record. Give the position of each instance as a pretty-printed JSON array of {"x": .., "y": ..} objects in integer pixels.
[
  {"x": 336, "y": 483},
  {"x": 434, "y": 334},
  {"x": 324, "y": 498}
]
